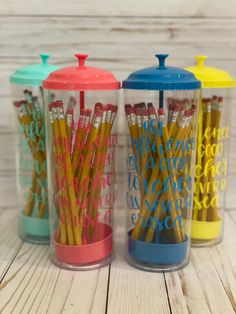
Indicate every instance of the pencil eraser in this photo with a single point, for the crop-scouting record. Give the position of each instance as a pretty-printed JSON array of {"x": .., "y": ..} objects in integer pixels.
[
  {"x": 186, "y": 114},
  {"x": 131, "y": 110},
  {"x": 127, "y": 107},
  {"x": 16, "y": 104},
  {"x": 161, "y": 112},
  {"x": 88, "y": 112},
  {"x": 171, "y": 106},
  {"x": 58, "y": 103},
  {"x": 114, "y": 108},
  {"x": 105, "y": 107},
  {"x": 98, "y": 105},
  {"x": 176, "y": 107},
  {"x": 99, "y": 113},
  {"x": 69, "y": 110},
  {"x": 83, "y": 112},
  {"x": 110, "y": 107},
  {"x": 140, "y": 105},
  {"x": 150, "y": 105},
  {"x": 151, "y": 110},
  {"x": 138, "y": 111}
]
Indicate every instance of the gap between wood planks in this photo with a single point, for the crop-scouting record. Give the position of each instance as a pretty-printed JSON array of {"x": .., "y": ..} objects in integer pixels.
[{"x": 84, "y": 16}]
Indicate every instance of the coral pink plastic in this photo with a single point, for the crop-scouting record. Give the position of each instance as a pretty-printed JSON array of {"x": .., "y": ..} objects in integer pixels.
[
  {"x": 100, "y": 248},
  {"x": 81, "y": 78}
]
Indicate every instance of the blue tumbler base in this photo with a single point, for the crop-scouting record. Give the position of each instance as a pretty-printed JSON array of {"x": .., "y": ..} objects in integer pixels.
[{"x": 158, "y": 257}]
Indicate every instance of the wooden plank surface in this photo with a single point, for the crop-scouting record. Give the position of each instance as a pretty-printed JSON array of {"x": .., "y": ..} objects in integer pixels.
[
  {"x": 34, "y": 285},
  {"x": 194, "y": 8}
]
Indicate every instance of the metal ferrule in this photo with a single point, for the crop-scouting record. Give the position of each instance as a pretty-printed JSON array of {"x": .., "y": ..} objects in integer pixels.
[
  {"x": 162, "y": 120},
  {"x": 50, "y": 116},
  {"x": 20, "y": 112},
  {"x": 169, "y": 118},
  {"x": 153, "y": 119},
  {"x": 113, "y": 117},
  {"x": 23, "y": 110},
  {"x": 60, "y": 113},
  {"x": 97, "y": 122},
  {"x": 133, "y": 118},
  {"x": 174, "y": 116},
  {"x": 69, "y": 119},
  {"x": 145, "y": 119},
  {"x": 183, "y": 122},
  {"x": 54, "y": 113},
  {"x": 104, "y": 117},
  {"x": 219, "y": 106},
  {"x": 85, "y": 121},
  {"x": 139, "y": 120},
  {"x": 109, "y": 115},
  {"x": 129, "y": 119}
]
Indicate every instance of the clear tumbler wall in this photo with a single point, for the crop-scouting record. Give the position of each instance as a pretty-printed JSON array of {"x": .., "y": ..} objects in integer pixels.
[
  {"x": 212, "y": 153},
  {"x": 81, "y": 164},
  {"x": 31, "y": 171},
  {"x": 161, "y": 105}
]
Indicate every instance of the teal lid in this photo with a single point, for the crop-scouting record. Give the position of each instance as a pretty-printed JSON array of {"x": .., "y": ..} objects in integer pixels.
[
  {"x": 33, "y": 74},
  {"x": 161, "y": 77}
]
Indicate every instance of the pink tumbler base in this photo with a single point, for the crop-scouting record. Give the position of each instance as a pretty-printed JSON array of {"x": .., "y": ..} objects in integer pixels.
[{"x": 83, "y": 255}]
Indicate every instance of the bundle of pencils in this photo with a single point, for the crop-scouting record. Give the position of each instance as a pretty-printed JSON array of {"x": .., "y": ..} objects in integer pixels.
[
  {"x": 163, "y": 153},
  {"x": 206, "y": 202},
  {"x": 82, "y": 150},
  {"x": 32, "y": 127}
]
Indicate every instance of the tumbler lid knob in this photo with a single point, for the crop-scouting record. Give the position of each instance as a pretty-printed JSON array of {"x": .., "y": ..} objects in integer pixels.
[
  {"x": 161, "y": 58},
  {"x": 200, "y": 61},
  {"x": 44, "y": 57},
  {"x": 81, "y": 57}
]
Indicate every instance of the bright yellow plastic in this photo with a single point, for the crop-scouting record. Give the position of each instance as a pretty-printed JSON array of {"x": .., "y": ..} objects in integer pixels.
[
  {"x": 211, "y": 77},
  {"x": 206, "y": 230}
]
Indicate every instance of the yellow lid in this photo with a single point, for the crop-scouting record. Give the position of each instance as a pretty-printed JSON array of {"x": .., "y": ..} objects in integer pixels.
[{"x": 211, "y": 77}]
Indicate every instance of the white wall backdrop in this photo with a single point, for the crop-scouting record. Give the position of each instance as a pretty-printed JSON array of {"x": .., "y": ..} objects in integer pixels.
[{"x": 120, "y": 36}]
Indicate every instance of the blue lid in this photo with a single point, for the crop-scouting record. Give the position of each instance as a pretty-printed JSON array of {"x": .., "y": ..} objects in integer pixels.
[
  {"x": 33, "y": 74},
  {"x": 161, "y": 78}
]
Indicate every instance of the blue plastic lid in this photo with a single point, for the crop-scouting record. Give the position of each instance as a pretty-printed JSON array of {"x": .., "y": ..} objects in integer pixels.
[
  {"x": 161, "y": 78},
  {"x": 33, "y": 74}
]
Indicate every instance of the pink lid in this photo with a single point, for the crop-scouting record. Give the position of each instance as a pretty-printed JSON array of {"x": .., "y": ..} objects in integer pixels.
[{"x": 81, "y": 77}]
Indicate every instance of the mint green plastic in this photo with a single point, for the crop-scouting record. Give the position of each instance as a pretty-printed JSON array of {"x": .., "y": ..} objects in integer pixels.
[
  {"x": 32, "y": 226},
  {"x": 34, "y": 74}
]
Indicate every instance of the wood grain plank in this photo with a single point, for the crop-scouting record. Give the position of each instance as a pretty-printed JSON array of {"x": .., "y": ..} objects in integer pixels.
[
  {"x": 80, "y": 292},
  {"x": 33, "y": 284},
  {"x": 224, "y": 257},
  {"x": 10, "y": 242},
  {"x": 111, "y": 38},
  {"x": 135, "y": 291},
  {"x": 211, "y": 284},
  {"x": 208, "y": 283},
  {"x": 185, "y": 292},
  {"x": 193, "y": 8}
]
